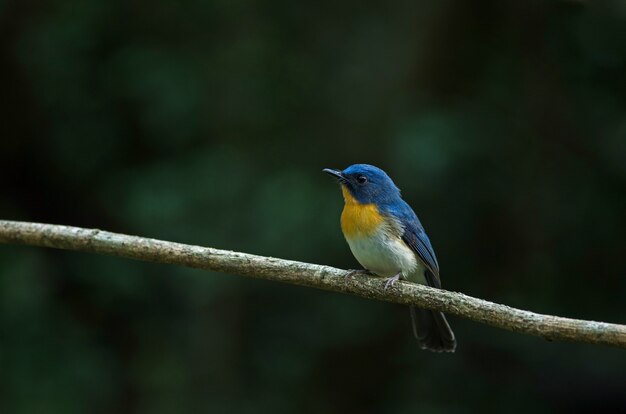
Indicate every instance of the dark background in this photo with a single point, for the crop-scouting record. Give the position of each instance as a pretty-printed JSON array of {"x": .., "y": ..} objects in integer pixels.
[{"x": 208, "y": 122}]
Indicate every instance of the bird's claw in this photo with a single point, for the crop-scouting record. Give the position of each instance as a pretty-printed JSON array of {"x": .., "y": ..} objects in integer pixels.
[
  {"x": 392, "y": 281},
  {"x": 352, "y": 272}
]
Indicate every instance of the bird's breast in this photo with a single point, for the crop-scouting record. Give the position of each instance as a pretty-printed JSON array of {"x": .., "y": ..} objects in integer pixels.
[{"x": 384, "y": 253}]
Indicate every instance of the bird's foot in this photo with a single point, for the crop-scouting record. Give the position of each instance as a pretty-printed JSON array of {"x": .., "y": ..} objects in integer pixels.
[
  {"x": 392, "y": 280},
  {"x": 352, "y": 272}
]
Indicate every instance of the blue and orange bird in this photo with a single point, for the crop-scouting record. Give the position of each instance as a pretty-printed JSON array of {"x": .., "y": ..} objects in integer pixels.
[{"x": 386, "y": 238}]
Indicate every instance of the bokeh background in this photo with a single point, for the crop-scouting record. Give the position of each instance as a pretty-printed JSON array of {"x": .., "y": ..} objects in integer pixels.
[{"x": 208, "y": 122}]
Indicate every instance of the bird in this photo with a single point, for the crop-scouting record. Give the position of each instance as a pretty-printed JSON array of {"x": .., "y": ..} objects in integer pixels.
[{"x": 388, "y": 240}]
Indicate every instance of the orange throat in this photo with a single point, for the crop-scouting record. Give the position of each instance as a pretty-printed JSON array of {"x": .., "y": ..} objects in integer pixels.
[{"x": 358, "y": 220}]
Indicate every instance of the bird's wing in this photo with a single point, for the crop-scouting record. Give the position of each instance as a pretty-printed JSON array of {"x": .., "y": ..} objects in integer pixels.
[
  {"x": 417, "y": 240},
  {"x": 415, "y": 237}
]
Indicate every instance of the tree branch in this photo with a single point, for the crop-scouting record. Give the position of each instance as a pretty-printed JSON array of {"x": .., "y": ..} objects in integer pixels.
[{"x": 312, "y": 275}]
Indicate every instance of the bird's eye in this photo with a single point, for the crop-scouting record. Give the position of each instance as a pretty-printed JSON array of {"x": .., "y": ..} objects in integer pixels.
[{"x": 361, "y": 179}]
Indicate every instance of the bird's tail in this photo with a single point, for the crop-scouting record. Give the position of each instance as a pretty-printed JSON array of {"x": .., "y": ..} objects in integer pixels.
[{"x": 432, "y": 330}]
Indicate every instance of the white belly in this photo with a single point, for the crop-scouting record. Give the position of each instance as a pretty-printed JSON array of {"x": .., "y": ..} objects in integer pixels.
[{"x": 387, "y": 256}]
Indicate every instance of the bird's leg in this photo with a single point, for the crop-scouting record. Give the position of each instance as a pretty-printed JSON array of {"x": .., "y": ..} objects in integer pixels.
[{"x": 392, "y": 280}]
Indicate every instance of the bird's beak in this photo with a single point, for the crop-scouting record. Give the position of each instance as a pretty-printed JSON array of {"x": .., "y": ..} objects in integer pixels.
[{"x": 335, "y": 173}]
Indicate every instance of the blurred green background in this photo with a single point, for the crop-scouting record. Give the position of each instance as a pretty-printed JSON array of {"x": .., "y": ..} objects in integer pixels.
[{"x": 208, "y": 122}]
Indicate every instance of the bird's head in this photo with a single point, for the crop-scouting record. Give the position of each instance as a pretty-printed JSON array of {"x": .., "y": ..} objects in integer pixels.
[{"x": 365, "y": 184}]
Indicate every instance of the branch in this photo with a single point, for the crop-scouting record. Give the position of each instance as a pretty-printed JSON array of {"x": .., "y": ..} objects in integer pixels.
[{"x": 312, "y": 275}]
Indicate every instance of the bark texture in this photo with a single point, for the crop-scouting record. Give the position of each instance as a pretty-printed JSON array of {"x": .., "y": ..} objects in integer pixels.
[{"x": 312, "y": 275}]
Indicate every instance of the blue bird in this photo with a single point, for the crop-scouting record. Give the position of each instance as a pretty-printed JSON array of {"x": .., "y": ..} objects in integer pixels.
[{"x": 386, "y": 238}]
